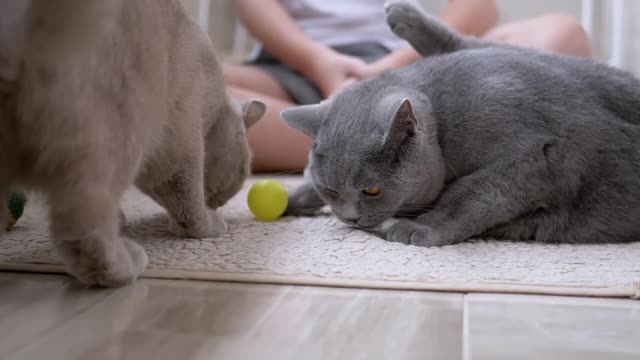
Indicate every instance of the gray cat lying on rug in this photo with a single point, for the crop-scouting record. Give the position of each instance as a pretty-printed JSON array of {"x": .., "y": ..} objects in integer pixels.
[
  {"x": 96, "y": 95},
  {"x": 478, "y": 139}
]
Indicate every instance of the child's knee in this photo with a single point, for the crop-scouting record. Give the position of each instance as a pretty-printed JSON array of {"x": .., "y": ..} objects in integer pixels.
[{"x": 566, "y": 35}]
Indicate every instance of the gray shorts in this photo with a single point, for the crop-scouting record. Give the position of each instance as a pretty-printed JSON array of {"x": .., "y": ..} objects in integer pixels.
[{"x": 301, "y": 89}]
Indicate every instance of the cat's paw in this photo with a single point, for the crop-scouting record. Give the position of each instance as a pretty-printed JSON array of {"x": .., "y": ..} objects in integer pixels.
[
  {"x": 212, "y": 227},
  {"x": 404, "y": 18},
  {"x": 304, "y": 201},
  {"x": 117, "y": 266},
  {"x": 301, "y": 211},
  {"x": 412, "y": 233}
]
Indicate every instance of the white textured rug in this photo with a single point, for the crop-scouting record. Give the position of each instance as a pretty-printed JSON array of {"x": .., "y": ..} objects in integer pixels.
[{"x": 322, "y": 251}]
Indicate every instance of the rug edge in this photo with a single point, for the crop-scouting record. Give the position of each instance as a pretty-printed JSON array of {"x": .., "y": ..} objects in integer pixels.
[{"x": 630, "y": 291}]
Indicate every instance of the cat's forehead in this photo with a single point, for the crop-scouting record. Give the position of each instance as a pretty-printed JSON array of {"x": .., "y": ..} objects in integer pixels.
[
  {"x": 348, "y": 142},
  {"x": 365, "y": 105},
  {"x": 348, "y": 161},
  {"x": 344, "y": 175},
  {"x": 351, "y": 121}
]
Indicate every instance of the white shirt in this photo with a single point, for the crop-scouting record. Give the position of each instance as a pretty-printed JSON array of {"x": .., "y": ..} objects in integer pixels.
[{"x": 343, "y": 22}]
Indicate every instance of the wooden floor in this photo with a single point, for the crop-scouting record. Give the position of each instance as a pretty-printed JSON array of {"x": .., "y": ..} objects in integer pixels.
[{"x": 50, "y": 317}]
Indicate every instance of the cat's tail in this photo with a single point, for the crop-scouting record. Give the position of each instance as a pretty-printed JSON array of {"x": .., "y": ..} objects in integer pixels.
[{"x": 428, "y": 35}]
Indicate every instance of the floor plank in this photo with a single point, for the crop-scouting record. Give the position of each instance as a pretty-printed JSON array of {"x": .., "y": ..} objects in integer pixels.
[
  {"x": 548, "y": 327},
  {"x": 47, "y": 316},
  {"x": 51, "y": 318}
]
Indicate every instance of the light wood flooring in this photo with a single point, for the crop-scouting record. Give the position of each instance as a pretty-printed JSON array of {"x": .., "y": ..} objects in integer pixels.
[{"x": 51, "y": 317}]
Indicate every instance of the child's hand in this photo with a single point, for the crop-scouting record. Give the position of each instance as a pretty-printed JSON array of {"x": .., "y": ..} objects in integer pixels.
[
  {"x": 386, "y": 63},
  {"x": 345, "y": 84},
  {"x": 375, "y": 68},
  {"x": 330, "y": 69}
]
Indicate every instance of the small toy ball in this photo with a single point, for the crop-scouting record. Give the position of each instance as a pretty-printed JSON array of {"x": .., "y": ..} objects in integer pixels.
[
  {"x": 267, "y": 200},
  {"x": 15, "y": 208}
]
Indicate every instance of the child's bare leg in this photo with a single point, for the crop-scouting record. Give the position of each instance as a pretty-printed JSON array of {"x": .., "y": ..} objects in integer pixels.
[
  {"x": 554, "y": 32},
  {"x": 275, "y": 145},
  {"x": 254, "y": 79}
]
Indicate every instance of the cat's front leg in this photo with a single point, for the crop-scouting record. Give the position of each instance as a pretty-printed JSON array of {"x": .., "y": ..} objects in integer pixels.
[
  {"x": 122, "y": 219},
  {"x": 184, "y": 199},
  {"x": 4, "y": 210},
  {"x": 480, "y": 201},
  {"x": 304, "y": 201},
  {"x": 410, "y": 232}
]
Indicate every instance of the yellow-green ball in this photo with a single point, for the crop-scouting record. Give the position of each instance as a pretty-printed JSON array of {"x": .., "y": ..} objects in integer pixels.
[{"x": 267, "y": 200}]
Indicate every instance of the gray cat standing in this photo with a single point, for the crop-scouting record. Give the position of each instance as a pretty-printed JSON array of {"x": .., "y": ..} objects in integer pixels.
[{"x": 478, "y": 140}]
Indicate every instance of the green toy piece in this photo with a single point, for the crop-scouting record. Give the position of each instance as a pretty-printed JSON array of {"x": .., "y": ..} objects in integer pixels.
[{"x": 15, "y": 208}]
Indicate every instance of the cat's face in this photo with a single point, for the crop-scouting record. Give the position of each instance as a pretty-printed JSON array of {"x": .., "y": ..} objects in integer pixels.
[
  {"x": 362, "y": 189},
  {"x": 228, "y": 155},
  {"x": 367, "y": 161}
]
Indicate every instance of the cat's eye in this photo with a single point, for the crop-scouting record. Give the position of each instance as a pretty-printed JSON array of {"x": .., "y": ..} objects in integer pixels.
[
  {"x": 332, "y": 192},
  {"x": 372, "y": 191}
]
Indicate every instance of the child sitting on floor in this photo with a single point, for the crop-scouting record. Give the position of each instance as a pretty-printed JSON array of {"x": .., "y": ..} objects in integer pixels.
[{"x": 313, "y": 48}]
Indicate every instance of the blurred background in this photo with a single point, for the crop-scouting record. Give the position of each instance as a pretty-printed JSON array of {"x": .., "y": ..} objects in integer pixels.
[{"x": 614, "y": 32}]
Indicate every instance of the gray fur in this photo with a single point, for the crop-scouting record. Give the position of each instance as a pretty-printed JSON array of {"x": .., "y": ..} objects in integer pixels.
[
  {"x": 101, "y": 95},
  {"x": 508, "y": 143}
]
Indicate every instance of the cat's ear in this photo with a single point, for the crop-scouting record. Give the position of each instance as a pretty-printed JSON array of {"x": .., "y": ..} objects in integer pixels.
[
  {"x": 306, "y": 118},
  {"x": 403, "y": 125},
  {"x": 252, "y": 111}
]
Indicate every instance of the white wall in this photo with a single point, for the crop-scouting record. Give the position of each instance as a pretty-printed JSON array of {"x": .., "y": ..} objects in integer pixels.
[
  {"x": 191, "y": 6},
  {"x": 222, "y": 21},
  {"x": 608, "y": 21}
]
